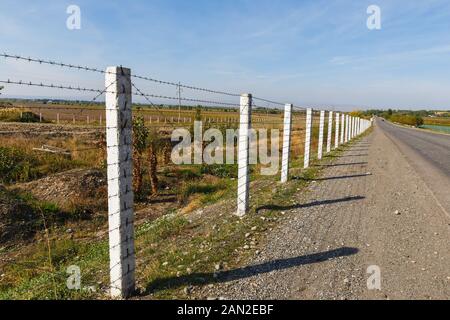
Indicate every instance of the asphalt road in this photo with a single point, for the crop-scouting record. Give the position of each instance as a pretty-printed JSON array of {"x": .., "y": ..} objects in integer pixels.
[{"x": 429, "y": 154}]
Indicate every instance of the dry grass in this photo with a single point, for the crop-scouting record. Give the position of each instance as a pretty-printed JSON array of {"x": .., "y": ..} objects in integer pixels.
[{"x": 437, "y": 121}]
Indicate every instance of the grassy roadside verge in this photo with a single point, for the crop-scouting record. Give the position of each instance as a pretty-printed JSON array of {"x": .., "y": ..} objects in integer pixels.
[{"x": 175, "y": 253}]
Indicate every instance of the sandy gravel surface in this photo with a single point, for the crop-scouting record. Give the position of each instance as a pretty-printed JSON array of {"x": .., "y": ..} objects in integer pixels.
[{"x": 370, "y": 208}]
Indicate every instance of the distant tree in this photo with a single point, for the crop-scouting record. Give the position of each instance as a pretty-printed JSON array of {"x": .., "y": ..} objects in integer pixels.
[
  {"x": 140, "y": 135},
  {"x": 198, "y": 113},
  {"x": 418, "y": 121},
  {"x": 154, "y": 145}
]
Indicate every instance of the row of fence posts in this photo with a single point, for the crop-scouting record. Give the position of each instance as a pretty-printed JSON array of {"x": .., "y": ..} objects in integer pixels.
[
  {"x": 74, "y": 120},
  {"x": 119, "y": 166},
  {"x": 152, "y": 120}
]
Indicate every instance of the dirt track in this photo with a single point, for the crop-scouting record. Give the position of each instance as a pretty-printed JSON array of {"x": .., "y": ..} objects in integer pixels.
[{"x": 347, "y": 222}]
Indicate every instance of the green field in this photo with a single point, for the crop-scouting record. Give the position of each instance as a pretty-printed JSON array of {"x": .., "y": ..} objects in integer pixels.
[{"x": 445, "y": 129}]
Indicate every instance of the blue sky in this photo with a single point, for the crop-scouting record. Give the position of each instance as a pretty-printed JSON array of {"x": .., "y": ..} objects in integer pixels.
[{"x": 316, "y": 53}]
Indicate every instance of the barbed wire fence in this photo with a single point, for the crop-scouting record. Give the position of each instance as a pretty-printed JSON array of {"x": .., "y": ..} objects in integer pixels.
[{"x": 301, "y": 128}]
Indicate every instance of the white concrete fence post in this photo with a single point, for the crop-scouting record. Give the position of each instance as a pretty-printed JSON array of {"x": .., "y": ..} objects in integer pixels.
[
  {"x": 308, "y": 137},
  {"x": 342, "y": 128},
  {"x": 346, "y": 129},
  {"x": 243, "y": 154},
  {"x": 353, "y": 127},
  {"x": 357, "y": 126},
  {"x": 336, "y": 138},
  {"x": 352, "y": 132},
  {"x": 350, "y": 129},
  {"x": 286, "y": 143},
  {"x": 321, "y": 129},
  {"x": 120, "y": 178},
  {"x": 330, "y": 130}
]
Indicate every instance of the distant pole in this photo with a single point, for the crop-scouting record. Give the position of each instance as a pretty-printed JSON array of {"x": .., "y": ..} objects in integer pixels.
[{"x": 179, "y": 101}]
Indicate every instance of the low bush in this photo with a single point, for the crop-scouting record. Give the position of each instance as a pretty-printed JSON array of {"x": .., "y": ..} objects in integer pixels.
[
  {"x": 412, "y": 120},
  {"x": 15, "y": 115}
]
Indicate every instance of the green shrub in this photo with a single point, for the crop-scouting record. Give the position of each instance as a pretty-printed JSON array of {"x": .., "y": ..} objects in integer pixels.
[
  {"x": 221, "y": 170},
  {"x": 18, "y": 165},
  {"x": 15, "y": 165},
  {"x": 15, "y": 115}
]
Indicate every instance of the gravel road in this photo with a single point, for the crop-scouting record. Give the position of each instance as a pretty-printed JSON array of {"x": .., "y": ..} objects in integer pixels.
[
  {"x": 370, "y": 208},
  {"x": 429, "y": 154}
]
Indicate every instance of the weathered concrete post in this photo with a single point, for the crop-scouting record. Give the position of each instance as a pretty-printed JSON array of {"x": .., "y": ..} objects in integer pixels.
[
  {"x": 321, "y": 129},
  {"x": 243, "y": 153},
  {"x": 336, "y": 138},
  {"x": 308, "y": 137},
  {"x": 353, "y": 127},
  {"x": 346, "y": 129},
  {"x": 120, "y": 192},
  {"x": 342, "y": 128},
  {"x": 330, "y": 130},
  {"x": 286, "y": 143}
]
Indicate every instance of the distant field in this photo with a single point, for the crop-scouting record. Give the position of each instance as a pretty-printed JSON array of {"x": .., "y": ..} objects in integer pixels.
[
  {"x": 154, "y": 116},
  {"x": 437, "y": 121}
]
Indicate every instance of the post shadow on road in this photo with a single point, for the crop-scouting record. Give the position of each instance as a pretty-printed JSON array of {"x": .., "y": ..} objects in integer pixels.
[
  {"x": 332, "y": 178},
  {"x": 359, "y": 149},
  {"x": 308, "y": 205},
  {"x": 341, "y": 164},
  {"x": 354, "y": 155},
  {"x": 246, "y": 272}
]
